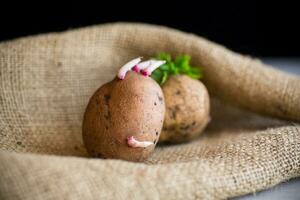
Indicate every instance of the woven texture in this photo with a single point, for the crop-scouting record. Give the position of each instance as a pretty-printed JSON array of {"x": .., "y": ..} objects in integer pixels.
[{"x": 47, "y": 80}]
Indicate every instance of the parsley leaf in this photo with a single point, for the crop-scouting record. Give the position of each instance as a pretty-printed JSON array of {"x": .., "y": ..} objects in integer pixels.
[{"x": 181, "y": 65}]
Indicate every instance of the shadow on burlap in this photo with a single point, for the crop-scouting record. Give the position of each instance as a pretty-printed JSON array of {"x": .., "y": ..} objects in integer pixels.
[{"x": 45, "y": 84}]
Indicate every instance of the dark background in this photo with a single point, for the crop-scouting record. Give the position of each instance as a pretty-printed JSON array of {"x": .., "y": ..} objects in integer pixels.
[{"x": 250, "y": 27}]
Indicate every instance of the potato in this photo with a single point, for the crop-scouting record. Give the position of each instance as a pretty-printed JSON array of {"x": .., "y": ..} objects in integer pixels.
[
  {"x": 121, "y": 110},
  {"x": 187, "y": 109}
]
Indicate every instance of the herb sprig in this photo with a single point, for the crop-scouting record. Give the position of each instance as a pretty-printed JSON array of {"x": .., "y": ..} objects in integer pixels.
[{"x": 181, "y": 65}]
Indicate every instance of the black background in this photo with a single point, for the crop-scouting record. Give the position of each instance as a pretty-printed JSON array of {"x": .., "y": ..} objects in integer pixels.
[{"x": 250, "y": 27}]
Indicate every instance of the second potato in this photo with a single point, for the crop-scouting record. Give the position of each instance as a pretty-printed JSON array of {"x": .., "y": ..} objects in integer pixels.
[{"x": 187, "y": 109}]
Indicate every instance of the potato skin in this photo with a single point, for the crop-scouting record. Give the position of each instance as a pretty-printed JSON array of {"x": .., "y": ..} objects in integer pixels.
[
  {"x": 122, "y": 108},
  {"x": 187, "y": 109}
]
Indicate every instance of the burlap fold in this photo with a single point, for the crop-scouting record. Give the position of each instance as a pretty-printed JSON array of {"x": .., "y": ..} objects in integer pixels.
[{"x": 45, "y": 84}]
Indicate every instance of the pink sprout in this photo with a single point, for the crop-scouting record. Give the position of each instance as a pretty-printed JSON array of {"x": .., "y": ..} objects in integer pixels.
[
  {"x": 136, "y": 69},
  {"x": 143, "y": 65},
  {"x": 132, "y": 142},
  {"x": 153, "y": 66},
  {"x": 127, "y": 67}
]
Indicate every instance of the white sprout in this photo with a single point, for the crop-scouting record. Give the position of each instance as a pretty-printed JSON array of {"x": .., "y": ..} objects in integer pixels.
[
  {"x": 143, "y": 65},
  {"x": 154, "y": 65},
  {"x": 132, "y": 142},
  {"x": 127, "y": 67}
]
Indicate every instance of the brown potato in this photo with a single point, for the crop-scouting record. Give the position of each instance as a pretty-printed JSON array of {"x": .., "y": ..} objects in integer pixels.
[
  {"x": 120, "y": 109},
  {"x": 187, "y": 109}
]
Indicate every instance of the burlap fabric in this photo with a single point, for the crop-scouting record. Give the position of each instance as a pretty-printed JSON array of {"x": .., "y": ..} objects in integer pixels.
[{"x": 45, "y": 84}]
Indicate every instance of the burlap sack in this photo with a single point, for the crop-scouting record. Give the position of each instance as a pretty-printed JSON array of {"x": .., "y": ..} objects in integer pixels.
[{"x": 45, "y": 84}]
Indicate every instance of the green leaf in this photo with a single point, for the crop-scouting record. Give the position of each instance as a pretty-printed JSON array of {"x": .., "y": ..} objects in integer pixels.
[
  {"x": 164, "y": 67},
  {"x": 164, "y": 56},
  {"x": 182, "y": 62},
  {"x": 164, "y": 78},
  {"x": 173, "y": 69},
  {"x": 157, "y": 75},
  {"x": 194, "y": 75},
  {"x": 181, "y": 65}
]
